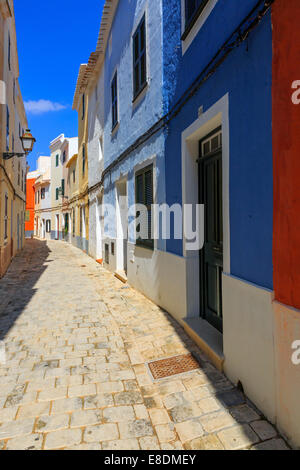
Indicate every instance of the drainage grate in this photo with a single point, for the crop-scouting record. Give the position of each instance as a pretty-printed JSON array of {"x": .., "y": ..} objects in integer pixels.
[{"x": 173, "y": 366}]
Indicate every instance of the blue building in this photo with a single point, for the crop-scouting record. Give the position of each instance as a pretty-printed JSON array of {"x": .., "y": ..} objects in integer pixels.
[{"x": 180, "y": 113}]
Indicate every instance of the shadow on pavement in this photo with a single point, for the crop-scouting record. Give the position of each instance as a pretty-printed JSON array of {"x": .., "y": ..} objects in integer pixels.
[{"x": 17, "y": 285}]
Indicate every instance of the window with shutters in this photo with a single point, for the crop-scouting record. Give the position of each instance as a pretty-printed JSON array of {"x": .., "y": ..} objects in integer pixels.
[
  {"x": 48, "y": 226},
  {"x": 144, "y": 195},
  {"x": 63, "y": 187},
  {"x": 114, "y": 100},
  {"x": 43, "y": 193},
  {"x": 7, "y": 128},
  {"x": 9, "y": 52},
  {"x": 57, "y": 160},
  {"x": 193, "y": 9},
  {"x": 73, "y": 223},
  {"x": 5, "y": 216},
  {"x": 64, "y": 156},
  {"x": 56, "y": 195},
  {"x": 139, "y": 59},
  {"x": 83, "y": 158},
  {"x": 83, "y": 106}
]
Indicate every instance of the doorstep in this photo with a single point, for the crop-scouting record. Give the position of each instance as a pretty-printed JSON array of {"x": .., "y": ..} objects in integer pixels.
[
  {"x": 121, "y": 275},
  {"x": 209, "y": 340}
]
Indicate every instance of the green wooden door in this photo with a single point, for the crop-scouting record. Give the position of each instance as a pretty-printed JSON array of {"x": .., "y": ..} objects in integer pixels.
[{"x": 211, "y": 256}]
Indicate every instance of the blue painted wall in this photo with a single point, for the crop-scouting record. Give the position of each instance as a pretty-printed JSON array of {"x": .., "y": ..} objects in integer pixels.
[
  {"x": 134, "y": 118},
  {"x": 247, "y": 76}
]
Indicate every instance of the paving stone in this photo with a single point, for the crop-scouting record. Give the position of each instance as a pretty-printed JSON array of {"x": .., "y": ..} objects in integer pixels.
[
  {"x": 98, "y": 401},
  {"x": 165, "y": 432},
  {"x": 231, "y": 398},
  {"x": 81, "y": 447},
  {"x": 159, "y": 416},
  {"x": 32, "y": 442},
  {"x": 189, "y": 430},
  {"x": 216, "y": 421},
  {"x": 124, "y": 444},
  {"x": 184, "y": 412},
  {"x": 82, "y": 390},
  {"x": 52, "y": 394},
  {"x": 141, "y": 412},
  {"x": 264, "y": 430},
  {"x": 103, "y": 432},
  {"x": 118, "y": 414},
  {"x": 63, "y": 438},
  {"x": 138, "y": 428},
  {"x": 128, "y": 398},
  {"x": 149, "y": 443},
  {"x": 273, "y": 444},
  {"x": 34, "y": 410},
  {"x": 66, "y": 405},
  {"x": 52, "y": 423},
  {"x": 210, "y": 442},
  {"x": 8, "y": 414},
  {"x": 238, "y": 437},
  {"x": 85, "y": 418},
  {"x": 244, "y": 414},
  {"x": 208, "y": 405},
  {"x": 16, "y": 428},
  {"x": 110, "y": 387}
]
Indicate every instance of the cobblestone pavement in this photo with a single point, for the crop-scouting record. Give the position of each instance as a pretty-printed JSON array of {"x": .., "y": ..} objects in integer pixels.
[{"x": 75, "y": 377}]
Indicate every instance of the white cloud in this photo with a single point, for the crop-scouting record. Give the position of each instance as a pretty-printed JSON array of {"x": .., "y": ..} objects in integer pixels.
[{"x": 43, "y": 106}]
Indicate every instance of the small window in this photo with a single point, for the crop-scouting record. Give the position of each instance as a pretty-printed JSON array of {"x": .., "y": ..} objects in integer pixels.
[
  {"x": 64, "y": 156},
  {"x": 73, "y": 222},
  {"x": 57, "y": 160},
  {"x": 144, "y": 195},
  {"x": 5, "y": 216},
  {"x": 114, "y": 100},
  {"x": 9, "y": 51},
  {"x": 74, "y": 177},
  {"x": 106, "y": 253},
  {"x": 83, "y": 106},
  {"x": 56, "y": 194},
  {"x": 7, "y": 128},
  {"x": 83, "y": 158},
  {"x": 63, "y": 187},
  {"x": 113, "y": 248},
  {"x": 193, "y": 9},
  {"x": 43, "y": 193},
  {"x": 48, "y": 226},
  {"x": 139, "y": 59}
]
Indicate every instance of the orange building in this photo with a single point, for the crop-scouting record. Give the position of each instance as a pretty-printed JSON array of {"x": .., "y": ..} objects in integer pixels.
[{"x": 30, "y": 193}]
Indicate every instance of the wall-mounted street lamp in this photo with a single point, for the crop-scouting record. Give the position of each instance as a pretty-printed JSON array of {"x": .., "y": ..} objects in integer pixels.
[{"x": 27, "y": 142}]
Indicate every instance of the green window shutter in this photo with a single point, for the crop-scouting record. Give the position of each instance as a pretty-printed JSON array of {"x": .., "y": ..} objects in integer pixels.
[
  {"x": 144, "y": 195},
  {"x": 56, "y": 193},
  {"x": 63, "y": 187},
  {"x": 57, "y": 161}
]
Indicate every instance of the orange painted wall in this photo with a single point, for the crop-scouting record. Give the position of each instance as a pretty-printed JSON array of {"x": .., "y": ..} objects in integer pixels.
[
  {"x": 29, "y": 226},
  {"x": 286, "y": 152}
]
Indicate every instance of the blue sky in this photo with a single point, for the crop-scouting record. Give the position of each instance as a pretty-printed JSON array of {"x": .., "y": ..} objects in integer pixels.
[{"x": 54, "y": 38}]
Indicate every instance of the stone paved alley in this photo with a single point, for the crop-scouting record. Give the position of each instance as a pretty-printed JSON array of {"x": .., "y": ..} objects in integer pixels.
[{"x": 75, "y": 377}]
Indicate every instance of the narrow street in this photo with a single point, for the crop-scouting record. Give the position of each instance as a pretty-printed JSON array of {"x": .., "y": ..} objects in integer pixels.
[{"x": 77, "y": 342}]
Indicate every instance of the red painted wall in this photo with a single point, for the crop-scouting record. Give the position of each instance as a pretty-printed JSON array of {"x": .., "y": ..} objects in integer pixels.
[
  {"x": 29, "y": 226},
  {"x": 286, "y": 152}
]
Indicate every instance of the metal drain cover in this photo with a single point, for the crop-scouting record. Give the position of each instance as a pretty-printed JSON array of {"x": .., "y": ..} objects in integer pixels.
[{"x": 173, "y": 366}]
